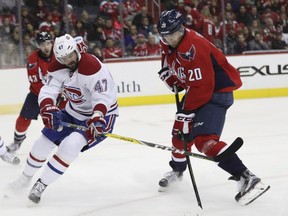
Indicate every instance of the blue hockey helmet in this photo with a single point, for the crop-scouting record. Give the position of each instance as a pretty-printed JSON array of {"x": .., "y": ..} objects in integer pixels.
[{"x": 169, "y": 22}]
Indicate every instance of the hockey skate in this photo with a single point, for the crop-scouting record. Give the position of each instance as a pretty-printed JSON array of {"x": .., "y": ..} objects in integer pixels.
[
  {"x": 9, "y": 158},
  {"x": 169, "y": 178},
  {"x": 250, "y": 188},
  {"x": 36, "y": 191},
  {"x": 13, "y": 147},
  {"x": 21, "y": 183}
]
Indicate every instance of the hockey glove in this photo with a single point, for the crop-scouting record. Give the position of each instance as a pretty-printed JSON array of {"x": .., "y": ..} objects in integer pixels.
[
  {"x": 182, "y": 123},
  {"x": 170, "y": 79},
  {"x": 96, "y": 125},
  {"x": 51, "y": 117},
  {"x": 81, "y": 46}
]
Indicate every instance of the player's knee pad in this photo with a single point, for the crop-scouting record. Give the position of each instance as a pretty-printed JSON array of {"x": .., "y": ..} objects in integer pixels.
[
  {"x": 22, "y": 124},
  {"x": 209, "y": 144},
  {"x": 178, "y": 144},
  {"x": 71, "y": 146},
  {"x": 41, "y": 148}
]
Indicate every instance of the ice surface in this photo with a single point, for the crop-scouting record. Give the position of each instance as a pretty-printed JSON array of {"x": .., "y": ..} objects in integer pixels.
[{"x": 118, "y": 178}]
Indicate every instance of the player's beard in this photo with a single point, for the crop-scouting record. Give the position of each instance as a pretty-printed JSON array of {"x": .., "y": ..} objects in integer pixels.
[{"x": 72, "y": 65}]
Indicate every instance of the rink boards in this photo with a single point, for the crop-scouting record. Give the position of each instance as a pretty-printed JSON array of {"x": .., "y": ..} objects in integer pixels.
[{"x": 138, "y": 83}]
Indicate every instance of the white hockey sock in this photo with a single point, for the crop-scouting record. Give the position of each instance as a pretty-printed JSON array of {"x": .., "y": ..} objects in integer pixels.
[{"x": 55, "y": 167}]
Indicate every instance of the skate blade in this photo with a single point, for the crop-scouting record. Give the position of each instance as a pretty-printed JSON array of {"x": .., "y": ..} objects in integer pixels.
[
  {"x": 162, "y": 189},
  {"x": 254, "y": 194}
]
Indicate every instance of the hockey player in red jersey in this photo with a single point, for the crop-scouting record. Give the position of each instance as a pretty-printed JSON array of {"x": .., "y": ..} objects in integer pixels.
[
  {"x": 6, "y": 156},
  {"x": 193, "y": 64},
  {"x": 36, "y": 66},
  {"x": 92, "y": 102}
]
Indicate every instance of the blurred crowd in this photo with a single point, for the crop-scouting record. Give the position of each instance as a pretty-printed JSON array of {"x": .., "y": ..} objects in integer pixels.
[{"x": 247, "y": 25}]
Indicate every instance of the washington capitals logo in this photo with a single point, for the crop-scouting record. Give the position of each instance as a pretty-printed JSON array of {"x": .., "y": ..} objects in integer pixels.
[{"x": 187, "y": 56}]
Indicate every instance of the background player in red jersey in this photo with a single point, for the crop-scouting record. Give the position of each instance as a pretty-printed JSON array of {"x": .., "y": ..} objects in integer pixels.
[
  {"x": 36, "y": 66},
  {"x": 192, "y": 63}
]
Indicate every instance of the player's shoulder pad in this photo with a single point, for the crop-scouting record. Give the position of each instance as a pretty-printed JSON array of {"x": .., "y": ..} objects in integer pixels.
[
  {"x": 32, "y": 58},
  {"x": 88, "y": 64},
  {"x": 55, "y": 66}
]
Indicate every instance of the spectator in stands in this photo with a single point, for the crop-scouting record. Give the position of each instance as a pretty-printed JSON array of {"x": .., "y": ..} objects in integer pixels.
[
  {"x": 40, "y": 11},
  {"x": 96, "y": 33},
  {"x": 277, "y": 42},
  {"x": 215, "y": 8},
  {"x": 268, "y": 30},
  {"x": 145, "y": 27},
  {"x": 242, "y": 16},
  {"x": 11, "y": 57},
  {"x": 241, "y": 44},
  {"x": 141, "y": 47},
  {"x": 28, "y": 18},
  {"x": 131, "y": 8},
  {"x": 229, "y": 23},
  {"x": 231, "y": 40},
  {"x": 47, "y": 24},
  {"x": 109, "y": 8},
  {"x": 153, "y": 49},
  {"x": 110, "y": 50},
  {"x": 6, "y": 13},
  {"x": 86, "y": 22},
  {"x": 284, "y": 21},
  {"x": 253, "y": 14},
  {"x": 6, "y": 29},
  {"x": 155, "y": 33},
  {"x": 193, "y": 18},
  {"x": 111, "y": 32},
  {"x": 138, "y": 17},
  {"x": 71, "y": 17},
  {"x": 80, "y": 30},
  {"x": 130, "y": 40},
  {"x": 97, "y": 52},
  {"x": 255, "y": 27},
  {"x": 257, "y": 43},
  {"x": 208, "y": 27}
]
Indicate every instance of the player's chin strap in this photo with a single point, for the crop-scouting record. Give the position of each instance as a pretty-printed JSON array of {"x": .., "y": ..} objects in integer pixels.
[{"x": 227, "y": 153}]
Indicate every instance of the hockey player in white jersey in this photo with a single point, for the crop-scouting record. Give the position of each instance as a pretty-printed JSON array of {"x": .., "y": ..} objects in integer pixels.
[
  {"x": 7, "y": 157},
  {"x": 92, "y": 103}
]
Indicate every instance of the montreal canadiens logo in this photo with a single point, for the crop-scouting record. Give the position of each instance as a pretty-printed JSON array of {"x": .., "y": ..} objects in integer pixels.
[{"x": 74, "y": 95}]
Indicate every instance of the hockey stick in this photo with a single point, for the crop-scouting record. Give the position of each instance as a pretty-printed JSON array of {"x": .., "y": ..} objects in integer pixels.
[
  {"x": 136, "y": 141},
  {"x": 187, "y": 157},
  {"x": 227, "y": 153}
]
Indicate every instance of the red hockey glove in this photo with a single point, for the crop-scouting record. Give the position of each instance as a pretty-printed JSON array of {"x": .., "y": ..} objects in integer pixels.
[
  {"x": 82, "y": 47},
  {"x": 51, "y": 117},
  {"x": 183, "y": 123},
  {"x": 96, "y": 125},
  {"x": 170, "y": 79}
]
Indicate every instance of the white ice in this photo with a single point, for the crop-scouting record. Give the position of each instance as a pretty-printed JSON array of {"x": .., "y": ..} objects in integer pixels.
[{"x": 119, "y": 178}]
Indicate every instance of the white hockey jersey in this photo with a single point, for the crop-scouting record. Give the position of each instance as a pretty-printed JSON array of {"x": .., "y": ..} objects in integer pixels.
[{"x": 89, "y": 88}]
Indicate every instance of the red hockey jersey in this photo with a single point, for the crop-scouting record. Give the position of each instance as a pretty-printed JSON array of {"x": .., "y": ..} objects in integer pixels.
[
  {"x": 202, "y": 68},
  {"x": 37, "y": 71}
]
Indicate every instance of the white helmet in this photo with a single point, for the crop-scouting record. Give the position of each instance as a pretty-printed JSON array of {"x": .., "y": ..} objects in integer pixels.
[{"x": 65, "y": 45}]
